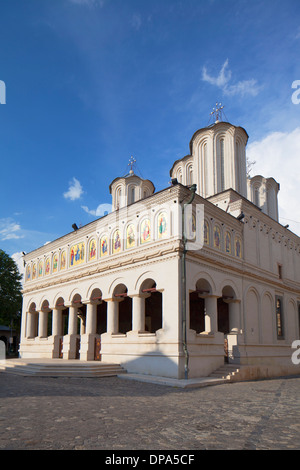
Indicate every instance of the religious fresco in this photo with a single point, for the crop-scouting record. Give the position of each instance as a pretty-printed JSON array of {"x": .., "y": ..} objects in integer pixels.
[
  {"x": 116, "y": 241},
  {"x": 40, "y": 268},
  {"x": 47, "y": 267},
  {"x": 227, "y": 242},
  {"x": 145, "y": 231},
  {"x": 206, "y": 233},
  {"x": 92, "y": 250},
  {"x": 33, "y": 271},
  {"x": 162, "y": 229},
  {"x": 130, "y": 236},
  {"x": 55, "y": 263},
  {"x": 104, "y": 246},
  {"x": 232, "y": 245},
  {"x": 77, "y": 254},
  {"x": 217, "y": 237},
  {"x": 63, "y": 260},
  {"x": 238, "y": 247}
]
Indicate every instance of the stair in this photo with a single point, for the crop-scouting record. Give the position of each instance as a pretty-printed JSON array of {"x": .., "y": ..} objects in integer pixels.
[
  {"x": 227, "y": 372},
  {"x": 60, "y": 368}
]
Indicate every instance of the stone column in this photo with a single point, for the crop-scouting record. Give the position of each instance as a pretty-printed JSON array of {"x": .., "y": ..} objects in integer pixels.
[
  {"x": 30, "y": 328},
  {"x": 91, "y": 318},
  {"x": 87, "y": 340},
  {"x": 69, "y": 346},
  {"x": 72, "y": 326},
  {"x": 57, "y": 322},
  {"x": 234, "y": 316},
  {"x": 56, "y": 331},
  {"x": 112, "y": 316},
  {"x": 211, "y": 314},
  {"x": 42, "y": 326},
  {"x": 138, "y": 313}
]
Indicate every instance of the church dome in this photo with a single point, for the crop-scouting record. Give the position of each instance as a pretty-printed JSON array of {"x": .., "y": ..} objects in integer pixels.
[{"x": 126, "y": 190}]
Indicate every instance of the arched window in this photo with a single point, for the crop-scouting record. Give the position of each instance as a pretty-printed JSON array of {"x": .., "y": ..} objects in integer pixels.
[
  {"x": 256, "y": 196},
  {"x": 131, "y": 194},
  {"x": 179, "y": 175},
  {"x": 118, "y": 197},
  {"x": 222, "y": 164},
  {"x": 205, "y": 171},
  {"x": 189, "y": 175},
  {"x": 279, "y": 317},
  {"x": 237, "y": 160}
]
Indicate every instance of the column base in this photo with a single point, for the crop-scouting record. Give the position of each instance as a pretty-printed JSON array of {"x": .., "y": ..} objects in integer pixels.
[
  {"x": 87, "y": 347},
  {"x": 70, "y": 347}
]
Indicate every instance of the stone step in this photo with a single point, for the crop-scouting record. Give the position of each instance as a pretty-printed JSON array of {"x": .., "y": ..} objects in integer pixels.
[
  {"x": 227, "y": 371},
  {"x": 61, "y": 369}
]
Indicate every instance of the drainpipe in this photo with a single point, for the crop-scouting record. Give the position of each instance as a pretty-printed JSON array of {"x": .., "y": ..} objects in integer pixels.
[{"x": 184, "y": 328}]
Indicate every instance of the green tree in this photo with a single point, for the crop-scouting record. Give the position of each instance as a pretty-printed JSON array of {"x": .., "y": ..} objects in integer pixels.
[{"x": 10, "y": 291}]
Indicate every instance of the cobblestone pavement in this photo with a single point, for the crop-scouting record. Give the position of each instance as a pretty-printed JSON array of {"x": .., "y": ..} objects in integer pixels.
[{"x": 116, "y": 414}]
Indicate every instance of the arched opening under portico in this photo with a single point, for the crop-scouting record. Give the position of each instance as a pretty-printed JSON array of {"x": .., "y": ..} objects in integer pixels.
[
  {"x": 45, "y": 326},
  {"x": 197, "y": 304},
  {"x": 228, "y": 318},
  {"x": 32, "y": 321},
  {"x": 124, "y": 308},
  {"x": 101, "y": 311},
  {"x": 153, "y": 306}
]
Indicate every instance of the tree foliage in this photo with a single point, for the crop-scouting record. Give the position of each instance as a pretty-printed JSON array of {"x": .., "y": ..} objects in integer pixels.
[{"x": 10, "y": 291}]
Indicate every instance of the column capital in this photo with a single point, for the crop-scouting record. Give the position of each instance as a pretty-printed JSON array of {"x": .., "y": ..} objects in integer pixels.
[{"x": 91, "y": 302}]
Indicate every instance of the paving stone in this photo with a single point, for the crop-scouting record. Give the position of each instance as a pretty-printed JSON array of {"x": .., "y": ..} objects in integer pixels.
[{"x": 41, "y": 413}]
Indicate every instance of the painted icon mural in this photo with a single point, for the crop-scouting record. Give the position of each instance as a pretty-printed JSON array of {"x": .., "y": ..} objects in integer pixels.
[
  {"x": 162, "y": 225},
  {"x": 117, "y": 241},
  {"x": 228, "y": 242},
  {"x": 238, "y": 247},
  {"x": 77, "y": 253},
  {"x": 190, "y": 228},
  {"x": 47, "y": 267},
  {"x": 130, "y": 236},
  {"x": 206, "y": 233},
  {"x": 92, "y": 249},
  {"x": 145, "y": 231},
  {"x": 40, "y": 268},
  {"x": 33, "y": 271},
  {"x": 217, "y": 237},
  {"x": 55, "y": 263},
  {"x": 28, "y": 273},
  {"x": 104, "y": 246},
  {"x": 63, "y": 260}
]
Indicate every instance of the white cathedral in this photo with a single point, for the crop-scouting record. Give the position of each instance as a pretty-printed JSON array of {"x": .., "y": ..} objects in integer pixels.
[{"x": 173, "y": 283}]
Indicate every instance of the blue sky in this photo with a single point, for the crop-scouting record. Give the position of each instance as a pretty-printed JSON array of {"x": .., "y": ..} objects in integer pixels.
[{"x": 91, "y": 82}]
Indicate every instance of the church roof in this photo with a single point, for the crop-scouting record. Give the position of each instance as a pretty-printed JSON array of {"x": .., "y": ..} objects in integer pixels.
[{"x": 203, "y": 129}]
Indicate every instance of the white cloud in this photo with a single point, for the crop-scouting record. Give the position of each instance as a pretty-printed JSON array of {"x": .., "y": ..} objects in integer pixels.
[
  {"x": 99, "y": 212},
  {"x": 136, "y": 21},
  {"x": 277, "y": 155},
  {"x": 223, "y": 81},
  {"x": 246, "y": 87},
  {"x": 75, "y": 190},
  {"x": 9, "y": 229},
  {"x": 89, "y": 3}
]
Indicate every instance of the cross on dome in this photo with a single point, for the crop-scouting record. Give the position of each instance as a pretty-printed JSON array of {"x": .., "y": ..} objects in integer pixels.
[
  {"x": 217, "y": 112},
  {"x": 131, "y": 163}
]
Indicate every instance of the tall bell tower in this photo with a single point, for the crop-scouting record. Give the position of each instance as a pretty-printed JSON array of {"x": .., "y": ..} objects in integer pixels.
[{"x": 217, "y": 159}]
